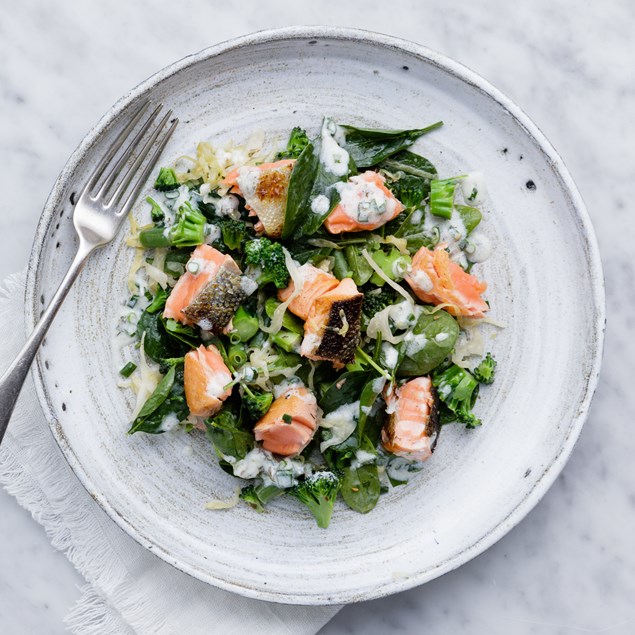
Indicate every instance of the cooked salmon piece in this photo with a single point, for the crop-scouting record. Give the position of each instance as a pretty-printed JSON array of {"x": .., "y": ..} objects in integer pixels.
[
  {"x": 209, "y": 292},
  {"x": 316, "y": 283},
  {"x": 264, "y": 188},
  {"x": 436, "y": 279},
  {"x": 365, "y": 203},
  {"x": 331, "y": 330},
  {"x": 290, "y": 422},
  {"x": 205, "y": 376},
  {"x": 412, "y": 428}
]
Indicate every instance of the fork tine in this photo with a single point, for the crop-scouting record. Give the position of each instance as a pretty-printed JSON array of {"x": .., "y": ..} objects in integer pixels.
[
  {"x": 112, "y": 150},
  {"x": 143, "y": 153},
  {"x": 147, "y": 170},
  {"x": 121, "y": 161}
]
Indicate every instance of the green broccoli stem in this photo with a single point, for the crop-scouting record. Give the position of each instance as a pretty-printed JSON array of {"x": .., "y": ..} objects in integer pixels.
[
  {"x": 286, "y": 340},
  {"x": 154, "y": 238},
  {"x": 245, "y": 326}
]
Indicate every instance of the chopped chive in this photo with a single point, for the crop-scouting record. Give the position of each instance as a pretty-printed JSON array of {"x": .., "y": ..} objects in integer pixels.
[
  {"x": 287, "y": 418},
  {"x": 128, "y": 369}
]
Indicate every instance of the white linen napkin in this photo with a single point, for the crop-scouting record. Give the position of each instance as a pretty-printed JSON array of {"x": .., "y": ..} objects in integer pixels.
[{"x": 128, "y": 589}]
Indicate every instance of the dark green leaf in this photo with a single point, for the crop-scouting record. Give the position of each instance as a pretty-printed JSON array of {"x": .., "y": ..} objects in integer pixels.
[
  {"x": 367, "y": 399},
  {"x": 420, "y": 355},
  {"x": 309, "y": 179},
  {"x": 361, "y": 487},
  {"x": 227, "y": 435},
  {"x": 168, "y": 398},
  {"x": 157, "y": 343},
  {"x": 368, "y": 147},
  {"x": 345, "y": 389},
  {"x": 470, "y": 216},
  {"x": 185, "y": 334},
  {"x": 358, "y": 265}
]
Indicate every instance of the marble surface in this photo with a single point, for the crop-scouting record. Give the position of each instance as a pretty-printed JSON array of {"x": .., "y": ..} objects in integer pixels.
[{"x": 569, "y": 568}]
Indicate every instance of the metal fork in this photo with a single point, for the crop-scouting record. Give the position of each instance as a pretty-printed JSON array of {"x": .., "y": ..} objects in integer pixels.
[{"x": 102, "y": 205}]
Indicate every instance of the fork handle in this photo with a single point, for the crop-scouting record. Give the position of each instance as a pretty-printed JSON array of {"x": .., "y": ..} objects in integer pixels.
[{"x": 13, "y": 378}]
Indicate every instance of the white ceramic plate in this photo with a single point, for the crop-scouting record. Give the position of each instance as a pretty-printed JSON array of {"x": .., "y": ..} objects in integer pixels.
[{"x": 545, "y": 283}]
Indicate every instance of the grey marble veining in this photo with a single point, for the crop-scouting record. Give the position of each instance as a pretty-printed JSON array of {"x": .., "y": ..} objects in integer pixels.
[{"x": 569, "y": 568}]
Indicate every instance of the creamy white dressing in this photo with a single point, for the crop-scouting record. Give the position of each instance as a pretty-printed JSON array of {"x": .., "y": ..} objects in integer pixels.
[
  {"x": 341, "y": 422},
  {"x": 333, "y": 158},
  {"x": 401, "y": 470},
  {"x": 415, "y": 343},
  {"x": 390, "y": 355},
  {"x": 283, "y": 473},
  {"x": 310, "y": 343},
  {"x": 227, "y": 206},
  {"x": 379, "y": 383},
  {"x": 451, "y": 230},
  {"x": 364, "y": 202},
  {"x": 478, "y": 247},
  {"x": 247, "y": 180},
  {"x": 421, "y": 280},
  {"x": 362, "y": 457},
  {"x": 169, "y": 422},
  {"x": 473, "y": 188},
  {"x": 212, "y": 233},
  {"x": 320, "y": 204},
  {"x": 247, "y": 285}
]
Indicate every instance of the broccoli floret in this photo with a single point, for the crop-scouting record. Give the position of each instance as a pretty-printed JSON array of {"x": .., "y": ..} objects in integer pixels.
[
  {"x": 256, "y": 403},
  {"x": 297, "y": 142},
  {"x": 457, "y": 389},
  {"x": 156, "y": 212},
  {"x": 410, "y": 190},
  {"x": 189, "y": 228},
  {"x": 375, "y": 302},
  {"x": 485, "y": 371},
  {"x": 269, "y": 256},
  {"x": 166, "y": 180},
  {"x": 318, "y": 492},
  {"x": 257, "y": 496},
  {"x": 248, "y": 494},
  {"x": 234, "y": 232}
]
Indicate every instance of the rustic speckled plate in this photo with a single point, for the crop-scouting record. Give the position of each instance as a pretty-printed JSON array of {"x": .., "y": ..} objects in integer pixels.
[{"x": 545, "y": 283}]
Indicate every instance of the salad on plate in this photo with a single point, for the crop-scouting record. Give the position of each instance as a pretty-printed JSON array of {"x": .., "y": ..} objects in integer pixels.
[{"x": 314, "y": 310}]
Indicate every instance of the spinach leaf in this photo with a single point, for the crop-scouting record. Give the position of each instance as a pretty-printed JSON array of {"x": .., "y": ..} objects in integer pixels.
[
  {"x": 361, "y": 487},
  {"x": 367, "y": 399},
  {"x": 411, "y": 164},
  {"x": 358, "y": 265},
  {"x": 422, "y": 351},
  {"x": 470, "y": 216},
  {"x": 308, "y": 180},
  {"x": 368, "y": 147},
  {"x": 345, "y": 389},
  {"x": 175, "y": 261},
  {"x": 185, "y": 334},
  {"x": 412, "y": 229},
  {"x": 158, "y": 345},
  {"x": 338, "y": 457},
  {"x": 168, "y": 398},
  {"x": 228, "y": 437}
]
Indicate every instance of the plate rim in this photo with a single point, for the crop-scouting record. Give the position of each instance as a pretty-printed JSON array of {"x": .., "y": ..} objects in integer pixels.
[{"x": 542, "y": 483}]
